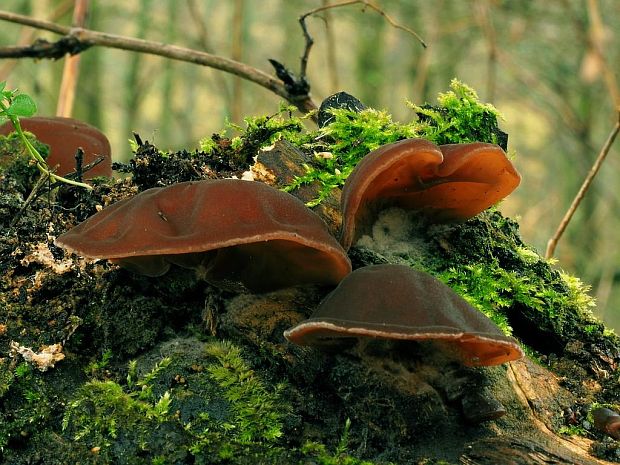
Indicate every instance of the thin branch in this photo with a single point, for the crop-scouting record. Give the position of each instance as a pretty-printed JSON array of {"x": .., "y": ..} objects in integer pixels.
[
  {"x": 365, "y": 4},
  {"x": 33, "y": 195},
  {"x": 584, "y": 188},
  {"x": 86, "y": 38},
  {"x": 368, "y": 4},
  {"x": 26, "y": 36}
]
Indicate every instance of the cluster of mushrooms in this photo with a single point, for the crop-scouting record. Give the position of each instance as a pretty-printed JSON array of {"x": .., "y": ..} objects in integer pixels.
[{"x": 248, "y": 235}]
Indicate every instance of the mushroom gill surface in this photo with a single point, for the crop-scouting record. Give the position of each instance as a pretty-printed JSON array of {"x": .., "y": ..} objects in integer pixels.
[
  {"x": 397, "y": 302},
  {"x": 448, "y": 183}
]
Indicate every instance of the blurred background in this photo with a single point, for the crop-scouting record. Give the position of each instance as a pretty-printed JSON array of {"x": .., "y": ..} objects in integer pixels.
[{"x": 551, "y": 68}]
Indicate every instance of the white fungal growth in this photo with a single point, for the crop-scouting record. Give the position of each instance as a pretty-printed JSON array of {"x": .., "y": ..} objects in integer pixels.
[{"x": 392, "y": 233}]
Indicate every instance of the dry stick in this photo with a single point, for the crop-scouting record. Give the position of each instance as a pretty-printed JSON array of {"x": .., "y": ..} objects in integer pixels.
[
  {"x": 71, "y": 69},
  {"x": 368, "y": 4},
  {"x": 584, "y": 188},
  {"x": 27, "y": 36},
  {"x": 87, "y": 37}
]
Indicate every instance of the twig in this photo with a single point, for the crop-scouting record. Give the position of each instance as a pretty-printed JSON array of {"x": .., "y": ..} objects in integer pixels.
[
  {"x": 584, "y": 188},
  {"x": 329, "y": 6},
  {"x": 26, "y": 36},
  {"x": 365, "y": 3},
  {"x": 71, "y": 69},
  {"x": 86, "y": 38}
]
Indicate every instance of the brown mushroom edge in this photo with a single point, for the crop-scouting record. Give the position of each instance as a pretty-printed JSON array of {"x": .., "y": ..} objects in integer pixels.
[
  {"x": 64, "y": 136},
  {"x": 231, "y": 231},
  {"x": 397, "y": 302}
]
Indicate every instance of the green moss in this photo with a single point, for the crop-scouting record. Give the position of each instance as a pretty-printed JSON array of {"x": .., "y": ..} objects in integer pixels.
[
  {"x": 485, "y": 261},
  {"x": 259, "y": 132},
  {"x": 459, "y": 117},
  {"x": 321, "y": 456},
  {"x": 212, "y": 406},
  {"x": 255, "y": 414},
  {"x": 24, "y": 400},
  {"x": 15, "y": 162}
]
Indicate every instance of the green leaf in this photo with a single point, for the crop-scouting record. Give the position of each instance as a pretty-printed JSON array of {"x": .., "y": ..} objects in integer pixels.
[
  {"x": 22, "y": 105},
  {"x": 2, "y": 85}
]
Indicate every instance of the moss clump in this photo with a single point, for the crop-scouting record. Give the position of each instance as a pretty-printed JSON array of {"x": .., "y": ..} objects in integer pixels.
[
  {"x": 201, "y": 401},
  {"x": 24, "y": 402},
  {"x": 459, "y": 117},
  {"x": 321, "y": 456},
  {"x": 16, "y": 164}
]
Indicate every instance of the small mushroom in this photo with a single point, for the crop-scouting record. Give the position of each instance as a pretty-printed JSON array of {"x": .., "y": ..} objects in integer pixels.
[
  {"x": 450, "y": 183},
  {"x": 397, "y": 302},
  {"x": 65, "y": 136},
  {"x": 607, "y": 421},
  {"x": 232, "y": 231}
]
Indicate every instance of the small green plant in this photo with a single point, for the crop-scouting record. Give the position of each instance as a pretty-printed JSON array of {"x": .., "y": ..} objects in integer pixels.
[
  {"x": 14, "y": 105},
  {"x": 321, "y": 456}
]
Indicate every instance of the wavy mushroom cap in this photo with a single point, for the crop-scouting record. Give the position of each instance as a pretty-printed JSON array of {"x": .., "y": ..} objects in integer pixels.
[
  {"x": 64, "y": 136},
  {"x": 450, "y": 183},
  {"x": 397, "y": 302},
  {"x": 231, "y": 230}
]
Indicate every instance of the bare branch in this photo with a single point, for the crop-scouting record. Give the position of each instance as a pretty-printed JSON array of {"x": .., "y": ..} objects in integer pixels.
[
  {"x": 366, "y": 4},
  {"x": 584, "y": 188},
  {"x": 85, "y": 38}
]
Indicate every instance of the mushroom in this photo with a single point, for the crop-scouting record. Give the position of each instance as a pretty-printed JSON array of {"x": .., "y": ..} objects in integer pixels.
[
  {"x": 64, "y": 136},
  {"x": 232, "y": 231},
  {"x": 607, "y": 421},
  {"x": 397, "y": 302},
  {"x": 450, "y": 183}
]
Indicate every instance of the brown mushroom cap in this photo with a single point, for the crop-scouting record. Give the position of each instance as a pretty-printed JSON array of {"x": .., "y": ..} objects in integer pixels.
[
  {"x": 452, "y": 182},
  {"x": 64, "y": 136},
  {"x": 397, "y": 302},
  {"x": 234, "y": 231}
]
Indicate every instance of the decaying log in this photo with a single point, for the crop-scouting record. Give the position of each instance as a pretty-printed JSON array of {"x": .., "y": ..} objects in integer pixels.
[{"x": 532, "y": 394}]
